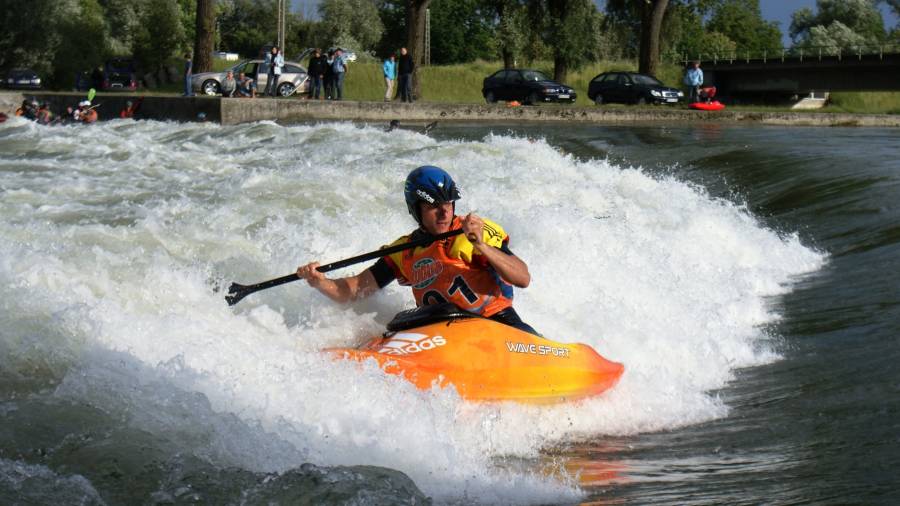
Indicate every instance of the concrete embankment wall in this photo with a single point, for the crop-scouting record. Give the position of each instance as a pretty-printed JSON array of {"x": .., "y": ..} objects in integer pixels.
[{"x": 234, "y": 111}]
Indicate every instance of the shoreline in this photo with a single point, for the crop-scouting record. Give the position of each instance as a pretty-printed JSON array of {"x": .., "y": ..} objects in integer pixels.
[{"x": 234, "y": 111}]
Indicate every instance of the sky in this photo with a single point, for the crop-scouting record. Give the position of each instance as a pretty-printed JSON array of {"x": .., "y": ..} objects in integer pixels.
[{"x": 772, "y": 10}]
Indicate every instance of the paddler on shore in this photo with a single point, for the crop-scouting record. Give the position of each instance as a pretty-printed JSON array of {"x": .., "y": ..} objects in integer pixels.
[{"x": 474, "y": 270}]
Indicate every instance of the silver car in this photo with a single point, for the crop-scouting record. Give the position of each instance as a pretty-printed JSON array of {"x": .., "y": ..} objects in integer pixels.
[{"x": 293, "y": 78}]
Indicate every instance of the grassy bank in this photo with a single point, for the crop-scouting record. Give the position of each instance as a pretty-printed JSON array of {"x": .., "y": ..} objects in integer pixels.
[{"x": 461, "y": 84}]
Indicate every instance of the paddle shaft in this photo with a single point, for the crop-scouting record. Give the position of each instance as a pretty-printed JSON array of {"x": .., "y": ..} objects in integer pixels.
[{"x": 236, "y": 291}]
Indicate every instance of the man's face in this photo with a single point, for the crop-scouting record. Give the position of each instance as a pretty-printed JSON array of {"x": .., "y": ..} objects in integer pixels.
[
  {"x": 436, "y": 218},
  {"x": 241, "y": 76},
  {"x": 402, "y": 50}
]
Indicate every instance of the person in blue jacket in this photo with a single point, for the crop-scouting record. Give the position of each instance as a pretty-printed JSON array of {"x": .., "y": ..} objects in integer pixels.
[
  {"x": 693, "y": 79},
  {"x": 390, "y": 74}
]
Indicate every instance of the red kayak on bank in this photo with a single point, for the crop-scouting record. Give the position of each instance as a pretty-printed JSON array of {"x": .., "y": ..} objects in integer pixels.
[{"x": 715, "y": 105}]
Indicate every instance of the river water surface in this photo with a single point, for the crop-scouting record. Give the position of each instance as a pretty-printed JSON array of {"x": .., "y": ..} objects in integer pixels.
[{"x": 745, "y": 276}]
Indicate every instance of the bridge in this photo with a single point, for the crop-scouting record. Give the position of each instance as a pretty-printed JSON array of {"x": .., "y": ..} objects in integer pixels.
[{"x": 801, "y": 71}]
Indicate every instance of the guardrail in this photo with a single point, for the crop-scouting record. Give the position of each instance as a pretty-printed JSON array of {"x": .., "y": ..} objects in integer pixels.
[{"x": 814, "y": 53}]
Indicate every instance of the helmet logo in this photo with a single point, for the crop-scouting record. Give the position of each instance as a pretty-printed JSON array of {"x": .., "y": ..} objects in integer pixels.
[
  {"x": 425, "y": 271},
  {"x": 425, "y": 196}
]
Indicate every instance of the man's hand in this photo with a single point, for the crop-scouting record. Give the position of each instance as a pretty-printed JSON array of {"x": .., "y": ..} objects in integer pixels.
[
  {"x": 473, "y": 227},
  {"x": 309, "y": 273}
]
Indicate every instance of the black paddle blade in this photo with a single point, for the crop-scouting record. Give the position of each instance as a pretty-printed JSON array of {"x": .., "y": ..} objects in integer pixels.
[{"x": 236, "y": 292}]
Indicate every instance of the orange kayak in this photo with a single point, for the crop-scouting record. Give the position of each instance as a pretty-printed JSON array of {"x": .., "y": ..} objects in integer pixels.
[{"x": 485, "y": 360}]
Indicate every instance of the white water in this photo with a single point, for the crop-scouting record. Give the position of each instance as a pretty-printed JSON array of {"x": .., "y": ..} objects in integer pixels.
[{"x": 114, "y": 235}]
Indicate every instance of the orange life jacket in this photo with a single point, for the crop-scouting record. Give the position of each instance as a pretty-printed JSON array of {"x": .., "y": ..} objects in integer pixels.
[
  {"x": 453, "y": 271},
  {"x": 89, "y": 115}
]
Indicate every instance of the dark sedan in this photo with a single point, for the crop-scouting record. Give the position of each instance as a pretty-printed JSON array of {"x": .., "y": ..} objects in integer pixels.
[
  {"x": 22, "y": 79},
  {"x": 527, "y": 86},
  {"x": 631, "y": 88}
]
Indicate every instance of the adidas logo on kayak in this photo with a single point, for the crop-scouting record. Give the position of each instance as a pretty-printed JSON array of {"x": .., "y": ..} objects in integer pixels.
[{"x": 407, "y": 344}]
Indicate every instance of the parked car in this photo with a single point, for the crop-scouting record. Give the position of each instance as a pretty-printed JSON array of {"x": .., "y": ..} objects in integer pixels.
[
  {"x": 631, "y": 88},
  {"x": 119, "y": 74},
  {"x": 527, "y": 86},
  {"x": 22, "y": 79},
  {"x": 293, "y": 78}
]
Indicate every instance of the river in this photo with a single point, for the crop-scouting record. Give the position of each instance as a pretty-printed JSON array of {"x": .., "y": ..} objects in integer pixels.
[{"x": 745, "y": 275}]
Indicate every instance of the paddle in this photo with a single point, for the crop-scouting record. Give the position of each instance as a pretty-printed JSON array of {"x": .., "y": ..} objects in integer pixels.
[
  {"x": 91, "y": 94},
  {"x": 236, "y": 291}
]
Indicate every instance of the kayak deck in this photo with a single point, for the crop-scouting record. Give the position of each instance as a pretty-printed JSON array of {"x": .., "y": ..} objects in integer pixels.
[{"x": 488, "y": 361}]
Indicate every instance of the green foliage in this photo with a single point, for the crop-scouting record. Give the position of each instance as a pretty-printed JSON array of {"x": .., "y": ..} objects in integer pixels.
[
  {"x": 461, "y": 31},
  {"x": 28, "y": 36},
  {"x": 393, "y": 17},
  {"x": 121, "y": 18},
  {"x": 838, "y": 23},
  {"x": 82, "y": 31},
  {"x": 160, "y": 35},
  {"x": 246, "y": 25},
  {"x": 352, "y": 21},
  {"x": 741, "y": 21}
]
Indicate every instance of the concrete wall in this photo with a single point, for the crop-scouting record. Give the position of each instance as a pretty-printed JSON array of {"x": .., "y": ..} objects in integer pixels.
[{"x": 235, "y": 111}]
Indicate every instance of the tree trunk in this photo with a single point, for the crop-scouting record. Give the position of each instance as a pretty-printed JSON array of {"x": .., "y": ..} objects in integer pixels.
[
  {"x": 652, "y": 12},
  {"x": 508, "y": 61},
  {"x": 558, "y": 10},
  {"x": 203, "y": 42},
  {"x": 415, "y": 39}
]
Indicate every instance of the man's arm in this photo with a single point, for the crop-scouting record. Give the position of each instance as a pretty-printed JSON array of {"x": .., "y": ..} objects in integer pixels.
[
  {"x": 342, "y": 289},
  {"x": 510, "y": 267}
]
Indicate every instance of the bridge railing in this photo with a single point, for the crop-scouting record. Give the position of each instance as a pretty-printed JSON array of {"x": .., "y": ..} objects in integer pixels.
[{"x": 811, "y": 53}]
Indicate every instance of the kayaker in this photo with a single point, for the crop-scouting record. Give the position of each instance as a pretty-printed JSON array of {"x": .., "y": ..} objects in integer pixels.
[{"x": 474, "y": 270}]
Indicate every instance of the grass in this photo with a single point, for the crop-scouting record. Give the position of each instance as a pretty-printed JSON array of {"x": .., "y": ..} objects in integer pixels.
[{"x": 461, "y": 84}]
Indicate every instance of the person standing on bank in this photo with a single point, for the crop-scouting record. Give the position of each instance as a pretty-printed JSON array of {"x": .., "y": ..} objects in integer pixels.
[
  {"x": 339, "y": 69},
  {"x": 693, "y": 79},
  {"x": 275, "y": 61},
  {"x": 390, "y": 74},
  {"x": 404, "y": 72},
  {"x": 318, "y": 66},
  {"x": 188, "y": 74},
  {"x": 475, "y": 270}
]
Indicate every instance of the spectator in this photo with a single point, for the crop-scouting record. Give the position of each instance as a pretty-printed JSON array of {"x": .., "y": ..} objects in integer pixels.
[
  {"x": 246, "y": 86},
  {"x": 97, "y": 78},
  {"x": 338, "y": 68},
  {"x": 318, "y": 67},
  {"x": 390, "y": 74},
  {"x": 329, "y": 76},
  {"x": 275, "y": 61},
  {"x": 405, "y": 70},
  {"x": 188, "y": 72},
  {"x": 229, "y": 85},
  {"x": 693, "y": 79}
]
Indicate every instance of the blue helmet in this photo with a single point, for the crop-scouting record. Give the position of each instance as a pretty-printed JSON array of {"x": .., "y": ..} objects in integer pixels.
[{"x": 428, "y": 184}]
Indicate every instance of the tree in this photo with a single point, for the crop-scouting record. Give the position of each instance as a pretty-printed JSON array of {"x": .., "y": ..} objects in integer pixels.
[
  {"x": 510, "y": 31},
  {"x": 569, "y": 26},
  {"x": 838, "y": 23},
  {"x": 28, "y": 34},
  {"x": 741, "y": 22},
  {"x": 644, "y": 18},
  {"x": 121, "y": 18},
  {"x": 159, "y": 35},
  {"x": 652, "y": 12},
  {"x": 352, "y": 19},
  {"x": 83, "y": 34},
  {"x": 205, "y": 35},
  {"x": 247, "y": 25},
  {"x": 415, "y": 38},
  {"x": 461, "y": 31}
]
